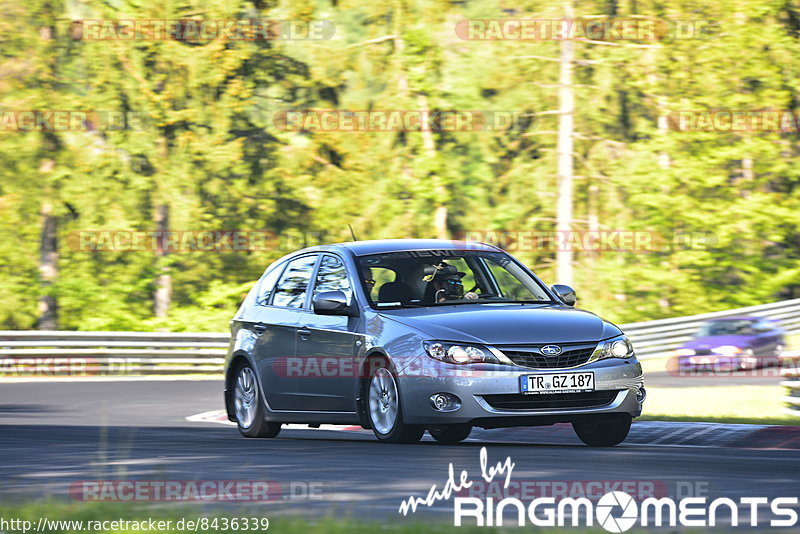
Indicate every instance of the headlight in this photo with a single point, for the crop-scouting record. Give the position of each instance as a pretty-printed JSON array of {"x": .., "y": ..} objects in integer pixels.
[
  {"x": 726, "y": 350},
  {"x": 619, "y": 347},
  {"x": 458, "y": 353},
  {"x": 683, "y": 352}
]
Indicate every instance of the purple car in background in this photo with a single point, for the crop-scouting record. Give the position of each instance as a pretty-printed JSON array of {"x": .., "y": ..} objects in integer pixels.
[{"x": 733, "y": 343}]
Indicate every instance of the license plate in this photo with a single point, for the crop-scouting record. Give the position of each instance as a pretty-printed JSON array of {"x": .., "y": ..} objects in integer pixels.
[{"x": 557, "y": 383}]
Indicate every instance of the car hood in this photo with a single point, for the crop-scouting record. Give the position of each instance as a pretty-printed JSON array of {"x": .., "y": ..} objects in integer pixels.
[
  {"x": 717, "y": 341},
  {"x": 505, "y": 324}
]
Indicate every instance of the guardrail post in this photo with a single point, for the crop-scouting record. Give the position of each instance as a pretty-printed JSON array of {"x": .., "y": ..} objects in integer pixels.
[{"x": 790, "y": 371}]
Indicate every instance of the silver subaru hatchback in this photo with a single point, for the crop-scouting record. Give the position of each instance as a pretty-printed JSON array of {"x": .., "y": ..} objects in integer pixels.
[{"x": 404, "y": 336}]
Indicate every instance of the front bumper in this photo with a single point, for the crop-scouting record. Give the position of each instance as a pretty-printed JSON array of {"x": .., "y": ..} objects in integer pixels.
[{"x": 618, "y": 382}]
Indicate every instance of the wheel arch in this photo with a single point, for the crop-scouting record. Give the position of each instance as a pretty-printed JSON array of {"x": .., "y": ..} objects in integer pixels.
[
  {"x": 236, "y": 360},
  {"x": 364, "y": 374}
]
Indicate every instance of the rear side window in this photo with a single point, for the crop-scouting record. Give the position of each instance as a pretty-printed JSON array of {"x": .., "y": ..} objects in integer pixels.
[
  {"x": 291, "y": 289},
  {"x": 268, "y": 284}
]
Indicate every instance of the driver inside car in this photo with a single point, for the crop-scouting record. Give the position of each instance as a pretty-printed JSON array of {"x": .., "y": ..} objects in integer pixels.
[{"x": 444, "y": 283}]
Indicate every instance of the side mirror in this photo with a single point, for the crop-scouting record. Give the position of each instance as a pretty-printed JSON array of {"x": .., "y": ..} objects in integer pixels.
[
  {"x": 331, "y": 303},
  {"x": 565, "y": 293}
]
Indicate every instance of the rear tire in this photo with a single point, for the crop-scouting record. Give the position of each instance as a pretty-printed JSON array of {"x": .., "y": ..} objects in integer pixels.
[
  {"x": 450, "y": 434},
  {"x": 384, "y": 408},
  {"x": 247, "y": 405},
  {"x": 603, "y": 430},
  {"x": 748, "y": 361}
]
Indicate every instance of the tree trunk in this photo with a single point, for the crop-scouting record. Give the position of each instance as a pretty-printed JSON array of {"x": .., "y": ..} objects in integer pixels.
[
  {"x": 747, "y": 175},
  {"x": 429, "y": 144},
  {"x": 566, "y": 126},
  {"x": 660, "y": 101},
  {"x": 593, "y": 213},
  {"x": 664, "y": 160},
  {"x": 163, "y": 294},
  {"x": 48, "y": 269}
]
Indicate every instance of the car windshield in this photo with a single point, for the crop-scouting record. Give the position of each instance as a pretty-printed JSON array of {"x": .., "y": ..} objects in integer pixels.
[
  {"x": 443, "y": 277},
  {"x": 725, "y": 328}
]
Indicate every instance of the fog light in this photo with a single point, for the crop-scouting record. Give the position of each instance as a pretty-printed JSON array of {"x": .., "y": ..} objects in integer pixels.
[
  {"x": 641, "y": 395},
  {"x": 445, "y": 402}
]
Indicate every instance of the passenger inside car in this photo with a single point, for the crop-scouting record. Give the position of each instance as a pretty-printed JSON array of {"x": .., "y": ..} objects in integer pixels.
[{"x": 444, "y": 283}]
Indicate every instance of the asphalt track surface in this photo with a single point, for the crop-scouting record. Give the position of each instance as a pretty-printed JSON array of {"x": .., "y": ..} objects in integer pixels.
[{"x": 55, "y": 433}]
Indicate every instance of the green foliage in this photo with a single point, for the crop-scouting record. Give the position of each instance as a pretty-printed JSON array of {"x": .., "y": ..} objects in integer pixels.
[{"x": 212, "y": 152}]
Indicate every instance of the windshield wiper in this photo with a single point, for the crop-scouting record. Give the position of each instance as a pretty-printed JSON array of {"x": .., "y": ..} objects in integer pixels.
[
  {"x": 514, "y": 301},
  {"x": 397, "y": 306},
  {"x": 453, "y": 302}
]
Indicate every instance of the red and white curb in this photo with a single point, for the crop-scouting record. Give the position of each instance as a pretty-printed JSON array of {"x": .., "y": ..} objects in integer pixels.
[
  {"x": 220, "y": 417},
  {"x": 649, "y": 433}
]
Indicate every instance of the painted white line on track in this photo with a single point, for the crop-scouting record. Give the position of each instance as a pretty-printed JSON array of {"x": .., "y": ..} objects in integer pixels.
[
  {"x": 696, "y": 434},
  {"x": 672, "y": 434}
]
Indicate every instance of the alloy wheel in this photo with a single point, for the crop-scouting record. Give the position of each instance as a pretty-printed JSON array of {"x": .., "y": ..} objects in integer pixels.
[{"x": 383, "y": 401}]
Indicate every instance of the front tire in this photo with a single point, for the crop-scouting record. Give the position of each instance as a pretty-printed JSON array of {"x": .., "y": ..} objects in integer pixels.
[
  {"x": 604, "y": 430},
  {"x": 248, "y": 408},
  {"x": 385, "y": 410},
  {"x": 450, "y": 434}
]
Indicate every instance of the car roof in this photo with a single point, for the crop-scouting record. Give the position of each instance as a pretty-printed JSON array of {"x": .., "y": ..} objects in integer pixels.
[{"x": 381, "y": 246}]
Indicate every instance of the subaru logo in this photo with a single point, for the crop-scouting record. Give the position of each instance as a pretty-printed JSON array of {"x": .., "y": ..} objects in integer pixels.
[{"x": 551, "y": 350}]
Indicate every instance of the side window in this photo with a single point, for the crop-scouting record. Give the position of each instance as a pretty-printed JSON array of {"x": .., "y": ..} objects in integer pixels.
[
  {"x": 510, "y": 286},
  {"x": 268, "y": 284},
  {"x": 375, "y": 277},
  {"x": 291, "y": 289},
  {"x": 763, "y": 326},
  {"x": 332, "y": 275}
]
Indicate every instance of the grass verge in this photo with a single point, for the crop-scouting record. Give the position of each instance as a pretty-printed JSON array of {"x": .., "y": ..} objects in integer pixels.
[
  {"x": 106, "y": 513},
  {"x": 719, "y": 404}
]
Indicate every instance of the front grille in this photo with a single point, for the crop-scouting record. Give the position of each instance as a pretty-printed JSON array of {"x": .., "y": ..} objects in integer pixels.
[
  {"x": 545, "y": 401},
  {"x": 532, "y": 356}
]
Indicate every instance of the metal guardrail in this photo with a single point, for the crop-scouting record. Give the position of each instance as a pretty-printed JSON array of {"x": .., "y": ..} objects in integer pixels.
[
  {"x": 45, "y": 353},
  {"x": 790, "y": 371},
  {"x": 66, "y": 353},
  {"x": 652, "y": 339}
]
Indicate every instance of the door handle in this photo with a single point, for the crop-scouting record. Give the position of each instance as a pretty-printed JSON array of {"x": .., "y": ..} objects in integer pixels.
[
  {"x": 259, "y": 328},
  {"x": 304, "y": 332}
]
